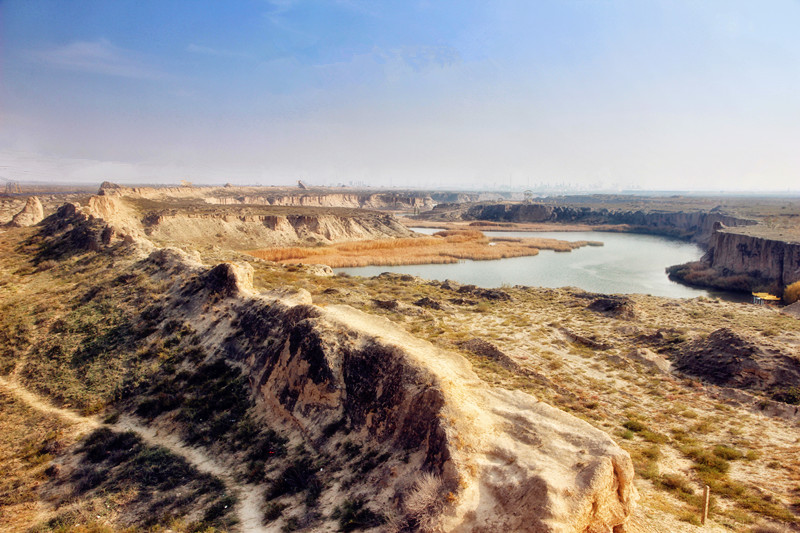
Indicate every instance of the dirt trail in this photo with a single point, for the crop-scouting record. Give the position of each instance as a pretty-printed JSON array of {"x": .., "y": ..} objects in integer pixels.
[{"x": 250, "y": 496}]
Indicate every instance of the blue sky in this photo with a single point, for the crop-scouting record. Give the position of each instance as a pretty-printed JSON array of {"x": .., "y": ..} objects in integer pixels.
[{"x": 652, "y": 94}]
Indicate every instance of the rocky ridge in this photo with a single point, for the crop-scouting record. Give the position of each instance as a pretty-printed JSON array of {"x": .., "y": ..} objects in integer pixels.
[{"x": 335, "y": 374}]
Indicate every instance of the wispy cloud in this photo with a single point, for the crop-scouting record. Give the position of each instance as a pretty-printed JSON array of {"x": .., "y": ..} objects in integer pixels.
[
  {"x": 216, "y": 52},
  {"x": 97, "y": 57}
]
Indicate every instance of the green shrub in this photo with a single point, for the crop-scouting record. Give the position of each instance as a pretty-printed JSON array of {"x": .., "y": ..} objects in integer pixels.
[
  {"x": 707, "y": 462},
  {"x": 634, "y": 425},
  {"x": 727, "y": 453}
]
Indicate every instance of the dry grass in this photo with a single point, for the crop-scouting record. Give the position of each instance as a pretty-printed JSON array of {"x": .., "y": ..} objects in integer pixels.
[
  {"x": 792, "y": 293},
  {"x": 444, "y": 247}
]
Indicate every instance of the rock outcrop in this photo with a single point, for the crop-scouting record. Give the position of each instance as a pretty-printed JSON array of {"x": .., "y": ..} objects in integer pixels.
[
  {"x": 736, "y": 260},
  {"x": 760, "y": 258},
  {"x": 32, "y": 213},
  {"x": 728, "y": 359},
  {"x": 492, "y": 459}
]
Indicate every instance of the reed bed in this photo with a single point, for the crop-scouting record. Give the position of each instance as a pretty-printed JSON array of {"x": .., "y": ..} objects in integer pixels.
[{"x": 448, "y": 246}]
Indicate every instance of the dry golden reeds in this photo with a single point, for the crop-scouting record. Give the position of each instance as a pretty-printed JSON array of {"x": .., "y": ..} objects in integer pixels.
[{"x": 444, "y": 247}]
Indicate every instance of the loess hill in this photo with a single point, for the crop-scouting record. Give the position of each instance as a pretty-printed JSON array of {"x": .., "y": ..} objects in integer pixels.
[{"x": 196, "y": 388}]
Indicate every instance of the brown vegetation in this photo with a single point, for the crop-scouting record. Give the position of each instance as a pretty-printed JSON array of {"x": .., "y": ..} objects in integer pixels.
[
  {"x": 444, "y": 247},
  {"x": 792, "y": 293}
]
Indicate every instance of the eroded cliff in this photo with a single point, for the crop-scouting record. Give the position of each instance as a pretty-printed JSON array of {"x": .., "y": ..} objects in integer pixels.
[
  {"x": 239, "y": 227},
  {"x": 497, "y": 459},
  {"x": 743, "y": 261},
  {"x": 695, "y": 225}
]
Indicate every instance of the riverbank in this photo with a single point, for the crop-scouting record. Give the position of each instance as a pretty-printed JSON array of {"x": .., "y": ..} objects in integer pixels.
[{"x": 751, "y": 244}]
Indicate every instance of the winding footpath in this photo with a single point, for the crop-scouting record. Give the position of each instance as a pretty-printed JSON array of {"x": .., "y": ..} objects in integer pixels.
[{"x": 248, "y": 508}]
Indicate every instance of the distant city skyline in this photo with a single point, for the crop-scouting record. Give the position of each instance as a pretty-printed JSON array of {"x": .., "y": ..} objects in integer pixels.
[{"x": 620, "y": 94}]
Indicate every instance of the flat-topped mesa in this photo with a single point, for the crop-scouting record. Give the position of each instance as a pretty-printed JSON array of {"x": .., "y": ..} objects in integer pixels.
[
  {"x": 242, "y": 227},
  {"x": 281, "y": 196},
  {"x": 265, "y": 227},
  {"x": 454, "y": 453},
  {"x": 353, "y": 200}
]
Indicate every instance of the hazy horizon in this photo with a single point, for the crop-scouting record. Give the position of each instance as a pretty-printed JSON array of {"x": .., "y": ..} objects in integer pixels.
[{"x": 616, "y": 95}]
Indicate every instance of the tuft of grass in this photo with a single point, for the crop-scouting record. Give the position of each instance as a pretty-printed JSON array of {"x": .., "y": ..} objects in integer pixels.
[
  {"x": 727, "y": 453},
  {"x": 634, "y": 425},
  {"x": 706, "y": 461}
]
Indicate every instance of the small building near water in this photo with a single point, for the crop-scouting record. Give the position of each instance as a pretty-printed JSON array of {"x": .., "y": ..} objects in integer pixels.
[{"x": 761, "y": 298}]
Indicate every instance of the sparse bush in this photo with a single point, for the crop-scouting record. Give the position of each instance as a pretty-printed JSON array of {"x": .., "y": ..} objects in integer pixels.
[
  {"x": 790, "y": 395},
  {"x": 353, "y": 515},
  {"x": 654, "y": 437},
  {"x": 707, "y": 462},
  {"x": 424, "y": 503},
  {"x": 273, "y": 511},
  {"x": 295, "y": 478},
  {"x": 677, "y": 483}
]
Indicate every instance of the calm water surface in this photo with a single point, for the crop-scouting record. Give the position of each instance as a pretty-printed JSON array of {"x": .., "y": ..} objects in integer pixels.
[{"x": 626, "y": 263}]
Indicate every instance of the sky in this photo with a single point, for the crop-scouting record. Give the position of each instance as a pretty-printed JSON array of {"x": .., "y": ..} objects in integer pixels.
[{"x": 605, "y": 94}]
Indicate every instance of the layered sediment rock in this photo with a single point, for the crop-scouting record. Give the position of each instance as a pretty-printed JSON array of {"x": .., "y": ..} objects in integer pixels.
[
  {"x": 695, "y": 225},
  {"x": 260, "y": 231},
  {"x": 364, "y": 201},
  {"x": 738, "y": 261},
  {"x": 760, "y": 258},
  {"x": 250, "y": 227},
  {"x": 281, "y": 197}
]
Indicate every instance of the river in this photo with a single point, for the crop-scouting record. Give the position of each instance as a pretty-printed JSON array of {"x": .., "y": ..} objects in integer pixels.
[{"x": 626, "y": 263}]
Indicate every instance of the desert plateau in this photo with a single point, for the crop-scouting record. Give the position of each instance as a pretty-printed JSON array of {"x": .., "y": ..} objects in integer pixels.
[{"x": 157, "y": 374}]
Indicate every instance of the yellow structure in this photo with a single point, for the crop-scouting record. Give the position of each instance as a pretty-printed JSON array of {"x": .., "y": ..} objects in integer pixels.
[{"x": 760, "y": 298}]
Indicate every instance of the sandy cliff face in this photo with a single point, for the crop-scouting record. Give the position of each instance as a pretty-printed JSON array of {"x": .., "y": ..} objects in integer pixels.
[
  {"x": 226, "y": 227},
  {"x": 261, "y": 231},
  {"x": 298, "y": 198},
  {"x": 367, "y": 201},
  {"x": 767, "y": 261}
]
